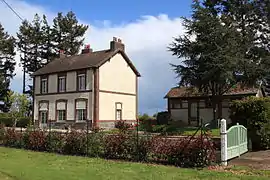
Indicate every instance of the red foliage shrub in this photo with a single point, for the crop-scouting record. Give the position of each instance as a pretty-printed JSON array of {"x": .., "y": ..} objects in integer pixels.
[
  {"x": 197, "y": 152},
  {"x": 122, "y": 125},
  {"x": 12, "y": 138},
  {"x": 75, "y": 143},
  {"x": 116, "y": 146},
  {"x": 2, "y": 133},
  {"x": 35, "y": 140},
  {"x": 126, "y": 146}
]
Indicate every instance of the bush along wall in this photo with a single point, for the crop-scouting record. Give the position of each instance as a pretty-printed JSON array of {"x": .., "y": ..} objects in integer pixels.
[
  {"x": 253, "y": 113},
  {"x": 196, "y": 152},
  {"x": 8, "y": 121}
]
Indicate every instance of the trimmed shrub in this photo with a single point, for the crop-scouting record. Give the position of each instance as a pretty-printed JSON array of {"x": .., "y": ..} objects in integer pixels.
[
  {"x": 122, "y": 125},
  {"x": 54, "y": 142},
  {"x": 75, "y": 143},
  {"x": 198, "y": 152},
  {"x": 2, "y": 133},
  {"x": 163, "y": 118},
  {"x": 160, "y": 128},
  {"x": 253, "y": 113},
  {"x": 23, "y": 122},
  {"x": 12, "y": 138},
  {"x": 116, "y": 146},
  {"x": 6, "y": 120},
  {"x": 147, "y": 125},
  {"x": 35, "y": 140},
  {"x": 95, "y": 145}
]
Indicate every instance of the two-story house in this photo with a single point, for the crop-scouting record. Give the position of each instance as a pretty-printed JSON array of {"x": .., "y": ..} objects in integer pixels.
[{"x": 101, "y": 86}]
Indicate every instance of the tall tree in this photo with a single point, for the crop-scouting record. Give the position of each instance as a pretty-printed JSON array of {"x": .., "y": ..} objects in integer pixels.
[
  {"x": 251, "y": 18},
  {"x": 7, "y": 67},
  {"x": 68, "y": 34},
  {"x": 30, "y": 40},
  {"x": 40, "y": 43},
  {"x": 211, "y": 54}
]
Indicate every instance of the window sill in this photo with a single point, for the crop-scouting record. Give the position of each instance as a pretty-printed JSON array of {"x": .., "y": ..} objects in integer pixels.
[
  {"x": 62, "y": 121},
  {"x": 80, "y": 121}
]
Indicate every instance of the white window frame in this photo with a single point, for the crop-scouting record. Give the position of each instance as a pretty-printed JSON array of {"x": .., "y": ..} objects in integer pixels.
[
  {"x": 44, "y": 87},
  {"x": 82, "y": 82},
  {"x": 61, "y": 83},
  {"x": 118, "y": 111},
  {"x": 81, "y": 112},
  {"x": 61, "y": 110},
  {"x": 63, "y": 115}
]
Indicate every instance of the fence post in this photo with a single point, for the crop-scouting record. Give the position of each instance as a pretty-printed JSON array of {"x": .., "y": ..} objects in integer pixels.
[
  {"x": 238, "y": 138},
  {"x": 223, "y": 134}
]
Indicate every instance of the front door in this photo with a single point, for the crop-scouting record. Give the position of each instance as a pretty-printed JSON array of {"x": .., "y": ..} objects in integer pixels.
[
  {"x": 193, "y": 113},
  {"x": 43, "y": 116}
]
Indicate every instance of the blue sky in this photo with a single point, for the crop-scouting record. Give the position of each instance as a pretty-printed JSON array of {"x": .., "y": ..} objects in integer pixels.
[
  {"x": 117, "y": 11},
  {"x": 146, "y": 27}
]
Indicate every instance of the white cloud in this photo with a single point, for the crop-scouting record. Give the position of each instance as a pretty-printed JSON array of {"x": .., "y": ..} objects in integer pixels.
[{"x": 146, "y": 41}]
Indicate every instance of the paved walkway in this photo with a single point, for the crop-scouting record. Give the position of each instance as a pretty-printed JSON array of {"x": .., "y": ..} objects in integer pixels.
[{"x": 257, "y": 160}]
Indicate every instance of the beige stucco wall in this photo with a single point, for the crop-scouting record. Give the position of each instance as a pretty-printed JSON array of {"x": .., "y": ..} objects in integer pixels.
[
  {"x": 70, "y": 104},
  {"x": 116, "y": 75},
  {"x": 37, "y": 85},
  {"x": 206, "y": 114},
  {"x": 107, "y": 106},
  {"x": 71, "y": 82},
  {"x": 70, "y": 97}
]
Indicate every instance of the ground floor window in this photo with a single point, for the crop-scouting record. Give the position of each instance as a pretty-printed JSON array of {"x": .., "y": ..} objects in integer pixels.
[
  {"x": 61, "y": 110},
  {"x": 118, "y": 111},
  {"x": 81, "y": 110},
  {"x": 43, "y": 111},
  {"x": 81, "y": 114},
  {"x": 61, "y": 115}
]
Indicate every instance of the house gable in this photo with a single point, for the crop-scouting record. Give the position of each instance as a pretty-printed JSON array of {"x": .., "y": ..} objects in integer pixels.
[{"x": 117, "y": 75}]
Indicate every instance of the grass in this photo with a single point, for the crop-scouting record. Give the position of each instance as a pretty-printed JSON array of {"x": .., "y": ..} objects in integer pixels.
[
  {"x": 190, "y": 131},
  {"x": 185, "y": 131},
  {"x": 18, "y": 164}
]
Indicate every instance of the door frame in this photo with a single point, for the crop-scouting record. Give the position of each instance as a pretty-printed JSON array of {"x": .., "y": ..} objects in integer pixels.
[{"x": 196, "y": 117}]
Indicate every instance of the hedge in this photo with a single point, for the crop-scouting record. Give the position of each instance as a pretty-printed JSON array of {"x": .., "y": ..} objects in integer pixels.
[
  {"x": 198, "y": 152},
  {"x": 253, "y": 113},
  {"x": 8, "y": 121}
]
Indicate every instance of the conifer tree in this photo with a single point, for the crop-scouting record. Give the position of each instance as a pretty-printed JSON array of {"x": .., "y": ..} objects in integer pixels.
[
  {"x": 7, "y": 67},
  {"x": 68, "y": 34},
  {"x": 215, "y": 53}
]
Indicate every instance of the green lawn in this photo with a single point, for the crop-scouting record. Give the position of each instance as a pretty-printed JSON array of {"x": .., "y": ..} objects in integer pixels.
[
  {"x": 191, "y": 131},
  {"x": 26, "y": 165}
]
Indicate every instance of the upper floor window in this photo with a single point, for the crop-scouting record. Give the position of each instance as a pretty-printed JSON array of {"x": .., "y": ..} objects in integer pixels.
[
  {"x": 81, "y": 80},
  {"x": 61, "y": 110},
  {"x": 44, "y": 85},
  {"x": 61, "y": 83}
]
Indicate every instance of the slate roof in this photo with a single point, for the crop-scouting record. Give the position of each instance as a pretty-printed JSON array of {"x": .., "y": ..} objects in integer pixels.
[
  {"x": 81, "y": 61},
  {"x": 178, "y": 92}
]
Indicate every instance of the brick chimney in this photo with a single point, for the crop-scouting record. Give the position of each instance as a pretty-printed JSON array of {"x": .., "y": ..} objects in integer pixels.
[
  {"x": 62, "y": 54},
  {"x": 116, "y": 43},
  {"x": 87, "y": 49}
]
